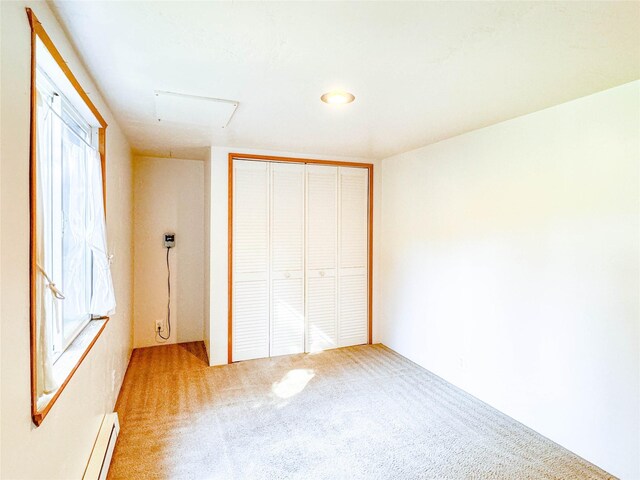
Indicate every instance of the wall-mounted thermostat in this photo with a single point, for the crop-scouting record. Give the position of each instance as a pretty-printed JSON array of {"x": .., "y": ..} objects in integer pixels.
[{"x": 169, "y": 240}]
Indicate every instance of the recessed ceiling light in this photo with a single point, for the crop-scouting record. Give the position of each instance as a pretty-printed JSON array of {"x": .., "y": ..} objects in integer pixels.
[{"x": 337, "y": 97}]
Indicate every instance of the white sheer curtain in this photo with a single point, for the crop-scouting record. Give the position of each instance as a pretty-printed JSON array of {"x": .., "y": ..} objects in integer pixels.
[
  {"x": 76, "y": 262},
  {"x": 69, "y": 193},
  {"x": 47, "y": 296},
  {"x": 103, "y": 300}
]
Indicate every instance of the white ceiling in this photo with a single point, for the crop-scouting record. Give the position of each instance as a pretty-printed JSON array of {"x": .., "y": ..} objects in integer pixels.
[{"x": 421, "y": 72}]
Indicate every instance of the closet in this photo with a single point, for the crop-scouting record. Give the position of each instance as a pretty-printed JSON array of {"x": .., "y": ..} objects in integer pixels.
[{"x": 299, "y": 243}]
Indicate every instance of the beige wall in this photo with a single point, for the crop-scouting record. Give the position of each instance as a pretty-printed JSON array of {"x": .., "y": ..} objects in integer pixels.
[
  {"x": 510, "y": 267},
  {"x": 168, "y": 197},
  {"x": 217, "y": 223},
  {"x": 60, "y": 447},
  {"x": 206, "y": 319}
]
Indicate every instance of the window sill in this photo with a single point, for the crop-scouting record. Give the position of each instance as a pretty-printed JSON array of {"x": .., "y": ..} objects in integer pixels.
[
  {"x": 74, "y": 352},
  {"x": 68, "y": 363}
]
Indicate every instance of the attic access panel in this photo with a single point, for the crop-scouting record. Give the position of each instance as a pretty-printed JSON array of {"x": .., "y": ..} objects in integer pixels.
[{"x": 194, "y": 110}]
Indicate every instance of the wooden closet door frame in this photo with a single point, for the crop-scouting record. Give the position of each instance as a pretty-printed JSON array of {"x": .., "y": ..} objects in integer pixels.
[{"x": 268, "y": 158}]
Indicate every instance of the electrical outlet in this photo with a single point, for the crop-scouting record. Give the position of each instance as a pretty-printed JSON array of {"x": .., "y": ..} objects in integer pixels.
[{"x": 158, "y": 325}]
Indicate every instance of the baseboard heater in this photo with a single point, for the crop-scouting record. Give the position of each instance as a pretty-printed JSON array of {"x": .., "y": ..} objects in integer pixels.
[{"x": 100, "y": 458}]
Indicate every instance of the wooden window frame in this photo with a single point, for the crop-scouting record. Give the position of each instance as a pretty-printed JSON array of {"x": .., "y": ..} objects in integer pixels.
[
  {"x": 268, "y": 158},
  {"x": 38, "y": 32}
]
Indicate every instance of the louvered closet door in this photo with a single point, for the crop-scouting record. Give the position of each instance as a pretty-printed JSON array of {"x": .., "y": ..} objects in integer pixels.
[
  {"x": 250, "y": 295},
  {"x": 353, "y": 256},
  {"x": 322, "y": 257},
  {"x": 287, "y": 258}
]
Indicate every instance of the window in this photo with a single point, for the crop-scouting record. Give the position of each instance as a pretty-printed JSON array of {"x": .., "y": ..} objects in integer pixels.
[
  {"x": 71, "y": 289},
  {"x": 68, "y": 147}
]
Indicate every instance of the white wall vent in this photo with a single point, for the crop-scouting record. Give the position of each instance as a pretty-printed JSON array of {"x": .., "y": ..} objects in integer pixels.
[
  {"x": 194, "y": 110},
  {"x": 100, "y": 458}
]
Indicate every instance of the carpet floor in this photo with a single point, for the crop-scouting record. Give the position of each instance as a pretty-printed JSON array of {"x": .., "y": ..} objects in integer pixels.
[{"x": 352, "y": 413}]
